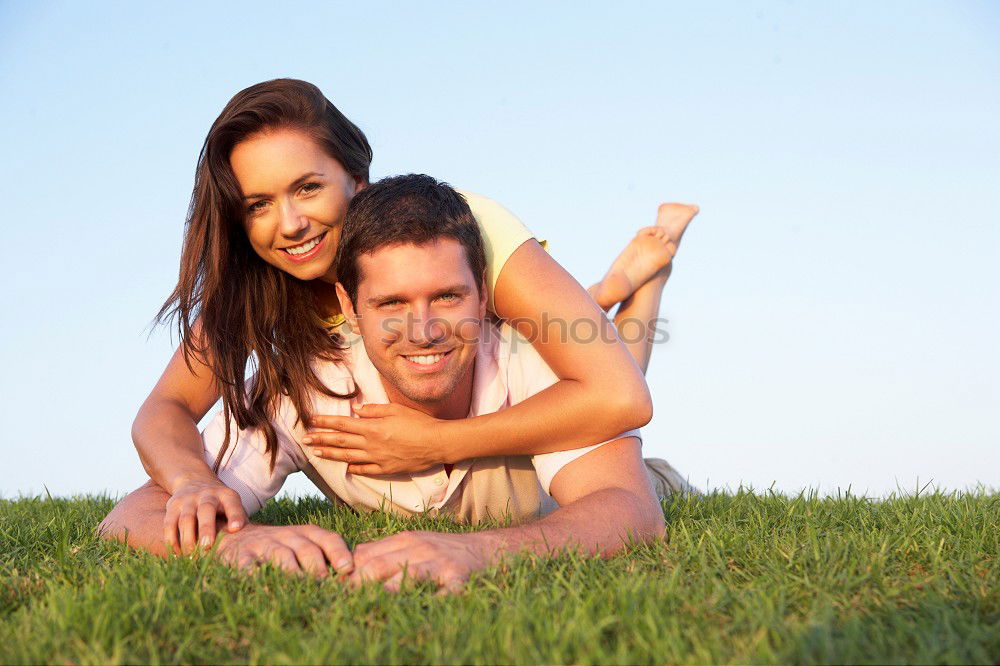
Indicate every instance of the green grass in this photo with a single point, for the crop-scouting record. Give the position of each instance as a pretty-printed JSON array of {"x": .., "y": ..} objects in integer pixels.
[{"x": 745, "y": 578}]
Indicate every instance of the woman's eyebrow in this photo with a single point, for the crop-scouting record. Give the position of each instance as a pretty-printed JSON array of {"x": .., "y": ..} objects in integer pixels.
[
  {"x": 306, "y": 176},
  {"x": 295, "y": 183}
]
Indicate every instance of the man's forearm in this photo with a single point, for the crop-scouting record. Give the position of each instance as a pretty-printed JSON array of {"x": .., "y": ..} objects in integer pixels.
[
  {"x": 600, "y": 523},
  {"x": 138, "y": 519}
]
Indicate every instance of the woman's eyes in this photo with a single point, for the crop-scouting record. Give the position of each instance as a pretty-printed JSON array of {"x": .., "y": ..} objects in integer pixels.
[{"x": 258, "y": 206}]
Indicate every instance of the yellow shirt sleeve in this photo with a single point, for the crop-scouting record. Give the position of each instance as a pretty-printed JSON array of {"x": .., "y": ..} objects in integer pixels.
[{"x": 502, "y": 233}]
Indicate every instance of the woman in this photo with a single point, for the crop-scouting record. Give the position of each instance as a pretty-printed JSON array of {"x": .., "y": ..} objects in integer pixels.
[{"x": 275, "y": 176}]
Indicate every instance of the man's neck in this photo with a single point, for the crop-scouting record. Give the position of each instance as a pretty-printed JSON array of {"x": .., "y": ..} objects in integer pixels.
[{"x": 454, "y": 406}]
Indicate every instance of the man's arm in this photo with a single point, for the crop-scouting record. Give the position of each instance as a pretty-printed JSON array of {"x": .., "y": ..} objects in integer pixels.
[
  {"x": 138, "y": 521},
  {"x": 605, "y": 501}
]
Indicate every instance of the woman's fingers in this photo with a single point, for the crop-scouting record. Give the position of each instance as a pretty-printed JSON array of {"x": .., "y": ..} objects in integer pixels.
[
  {"x": 188, "y": 528},
  {"x": 341, "y": 439},
  {"x": 207, "y": 512},
  {"x": 368, "y": 469},
  {"x": 170, "y": 532},
  {"x": 354, "y": 456},
  {"x": 374, "y": 410},
  {"x": 341, "y": 423},
  {"x": 232, "y": 506}
]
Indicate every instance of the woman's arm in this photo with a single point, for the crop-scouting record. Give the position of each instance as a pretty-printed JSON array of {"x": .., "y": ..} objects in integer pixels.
[
  {"x": 166, "y": 436},
  {"x": 165, "y": 430},
  {"x": 601, "y": 393}
]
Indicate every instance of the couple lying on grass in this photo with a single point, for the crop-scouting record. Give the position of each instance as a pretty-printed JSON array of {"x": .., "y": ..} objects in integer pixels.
[{"x": 421, "y": 400}]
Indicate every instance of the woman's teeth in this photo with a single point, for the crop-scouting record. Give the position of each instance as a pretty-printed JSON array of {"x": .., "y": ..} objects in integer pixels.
[
  {"x": 305, "y": 247},
  {"x": 425, "y": 360}
]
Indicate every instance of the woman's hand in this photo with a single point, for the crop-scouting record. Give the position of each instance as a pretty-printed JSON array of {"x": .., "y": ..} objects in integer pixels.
[
  {"x": 192, "y": 512},
  {"x": 387, "y": 439}
]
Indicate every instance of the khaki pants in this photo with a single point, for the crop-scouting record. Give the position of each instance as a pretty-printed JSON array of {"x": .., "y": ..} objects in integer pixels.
[{"x": 666, "y": 480}]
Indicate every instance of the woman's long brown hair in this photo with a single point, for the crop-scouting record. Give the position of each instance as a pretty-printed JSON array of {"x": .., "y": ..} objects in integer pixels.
[{"x": 252, "y": 315}]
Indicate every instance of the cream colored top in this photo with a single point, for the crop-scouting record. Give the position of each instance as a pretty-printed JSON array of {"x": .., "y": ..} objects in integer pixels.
[
  {"x": 507, "y": 371},
  {"x": 502, "y": 233}
]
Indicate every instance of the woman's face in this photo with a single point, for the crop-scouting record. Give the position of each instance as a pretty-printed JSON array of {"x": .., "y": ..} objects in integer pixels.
[{"x": 296, "y": 198}]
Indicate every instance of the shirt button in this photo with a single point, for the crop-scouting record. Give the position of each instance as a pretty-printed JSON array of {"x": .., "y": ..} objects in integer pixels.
[{"x": 438, "y": 481}]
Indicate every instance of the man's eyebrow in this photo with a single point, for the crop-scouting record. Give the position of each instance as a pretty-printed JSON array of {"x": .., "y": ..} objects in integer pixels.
[
  {"x": 295, "y": 183},
  {"x": 382, "y": 298}
]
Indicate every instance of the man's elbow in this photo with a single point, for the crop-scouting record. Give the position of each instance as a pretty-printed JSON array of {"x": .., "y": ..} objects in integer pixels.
[
  {"x": 643, "y": 521},
  {"x": 112, "y": 528},
  {"x": 649, "y": 523}
]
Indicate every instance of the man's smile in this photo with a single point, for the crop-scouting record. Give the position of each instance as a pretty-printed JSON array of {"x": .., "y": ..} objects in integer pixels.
[{"x": 425, "y": 362}]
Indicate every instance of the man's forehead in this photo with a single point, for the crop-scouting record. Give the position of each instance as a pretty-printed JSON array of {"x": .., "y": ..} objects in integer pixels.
[{"x": 411, "y": 266}]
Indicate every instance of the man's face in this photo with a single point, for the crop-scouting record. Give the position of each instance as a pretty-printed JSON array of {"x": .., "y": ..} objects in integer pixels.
[{"x": 420, "y": 313}]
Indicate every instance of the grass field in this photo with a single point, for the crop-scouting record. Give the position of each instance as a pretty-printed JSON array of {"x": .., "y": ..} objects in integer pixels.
[{"x": 745, "y": 578}]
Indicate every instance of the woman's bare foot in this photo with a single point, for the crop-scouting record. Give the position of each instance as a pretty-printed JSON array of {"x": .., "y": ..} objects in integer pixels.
[{"x": 648, "y": 255}]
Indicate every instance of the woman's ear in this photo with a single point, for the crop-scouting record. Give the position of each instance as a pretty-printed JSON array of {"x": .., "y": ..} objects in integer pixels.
[{"x": 347, "y": 308}]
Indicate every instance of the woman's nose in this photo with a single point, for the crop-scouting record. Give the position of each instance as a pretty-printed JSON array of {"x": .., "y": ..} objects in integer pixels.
[{"x": 293, "y": 222}]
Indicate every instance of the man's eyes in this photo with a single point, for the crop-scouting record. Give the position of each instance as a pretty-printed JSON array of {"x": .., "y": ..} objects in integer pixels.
[{"x": 447, "y": 298}]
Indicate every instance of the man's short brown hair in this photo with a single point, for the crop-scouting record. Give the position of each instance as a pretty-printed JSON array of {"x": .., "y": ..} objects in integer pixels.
[{"x": 414, "y": 208}]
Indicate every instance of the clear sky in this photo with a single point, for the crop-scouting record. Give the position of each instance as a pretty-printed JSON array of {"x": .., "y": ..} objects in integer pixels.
[{"x": 834, "y": 309}]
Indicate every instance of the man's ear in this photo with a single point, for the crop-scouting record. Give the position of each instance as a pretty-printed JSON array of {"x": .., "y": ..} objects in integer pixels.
[{"x": 347, "y": 308}]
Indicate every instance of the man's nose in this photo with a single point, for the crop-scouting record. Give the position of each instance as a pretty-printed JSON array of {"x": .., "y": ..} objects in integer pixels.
[
  {"x": 292, "y": 221},
  {"x": 424, "y": 329}
]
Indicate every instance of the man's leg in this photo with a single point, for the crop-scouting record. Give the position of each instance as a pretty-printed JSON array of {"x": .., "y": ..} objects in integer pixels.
[{"x": 667, "y": 480}]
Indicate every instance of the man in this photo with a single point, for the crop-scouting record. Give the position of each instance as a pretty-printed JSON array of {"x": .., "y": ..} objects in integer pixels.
[{"x": 411, "y": 270}]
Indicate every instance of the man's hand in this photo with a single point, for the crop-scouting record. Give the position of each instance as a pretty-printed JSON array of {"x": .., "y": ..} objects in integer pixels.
[
  {"x": 192, "y": 512},
  {"x": 446, "y": 559},
  {"x": 387, "y": 439},
  {"x": 296, "y": 549}
]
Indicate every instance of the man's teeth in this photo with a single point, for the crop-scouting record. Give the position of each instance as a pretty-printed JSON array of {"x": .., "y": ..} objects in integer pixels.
[
  {"x": 305, "y": 247},
  {"x": 425, "y": 360}
]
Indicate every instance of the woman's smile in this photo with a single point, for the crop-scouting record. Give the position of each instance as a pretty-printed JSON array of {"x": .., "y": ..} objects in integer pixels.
[{"x": 305, "y": 251}]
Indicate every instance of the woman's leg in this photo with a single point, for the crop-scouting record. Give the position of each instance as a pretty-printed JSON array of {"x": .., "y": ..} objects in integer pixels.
[{"x": 637, "y": 277}]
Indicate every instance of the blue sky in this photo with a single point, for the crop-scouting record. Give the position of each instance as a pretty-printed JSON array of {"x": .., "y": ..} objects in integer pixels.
[{"x": 833, "y": 312}]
